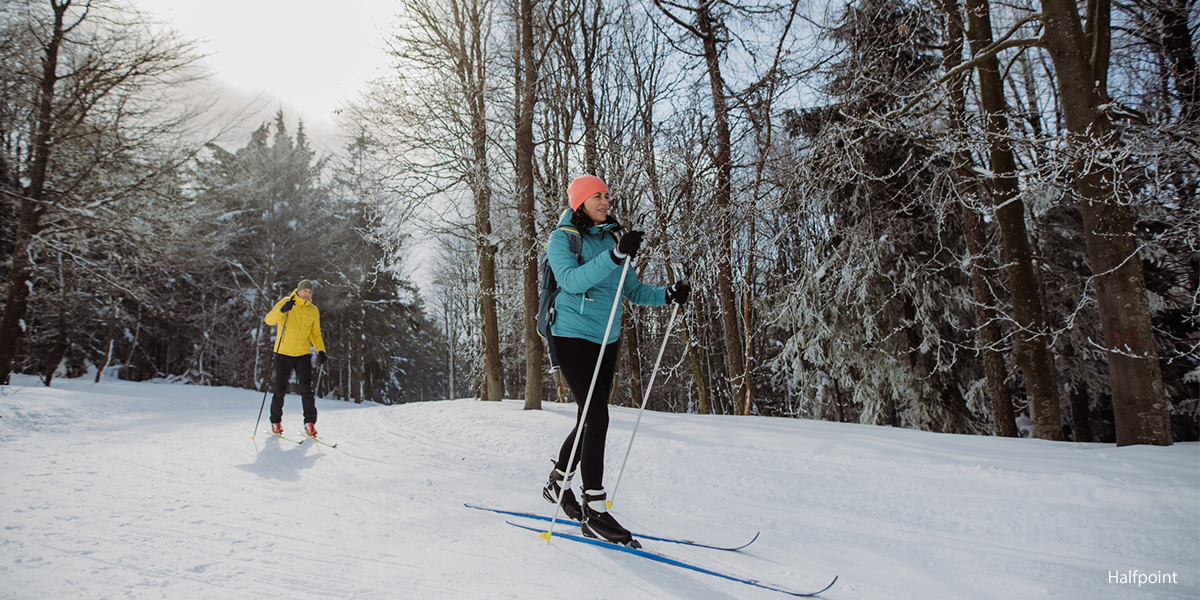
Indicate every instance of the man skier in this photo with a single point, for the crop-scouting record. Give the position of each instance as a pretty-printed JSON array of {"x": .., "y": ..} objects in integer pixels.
[{"x": 299, "y": 327}]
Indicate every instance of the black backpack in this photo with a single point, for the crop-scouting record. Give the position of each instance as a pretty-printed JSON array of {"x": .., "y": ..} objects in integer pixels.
[{"x": 550, "y": 289}]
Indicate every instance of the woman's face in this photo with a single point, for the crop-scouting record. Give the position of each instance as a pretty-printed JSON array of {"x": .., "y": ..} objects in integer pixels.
[{"x": 596, "y": 207}]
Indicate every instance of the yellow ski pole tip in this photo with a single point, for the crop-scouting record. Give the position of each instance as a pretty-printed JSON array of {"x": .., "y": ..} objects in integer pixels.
[
  {"x": 545, "y": 535},
  {"x": 608, "y": 503}
]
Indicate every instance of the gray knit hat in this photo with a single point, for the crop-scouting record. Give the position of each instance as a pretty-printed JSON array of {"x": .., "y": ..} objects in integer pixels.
[{"x": 304, "y": 285}]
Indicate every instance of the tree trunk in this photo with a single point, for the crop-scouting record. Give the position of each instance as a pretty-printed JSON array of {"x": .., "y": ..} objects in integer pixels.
[
  {"x": 137, "y": 332},
  {"x": 748, "y": 281},
  {"x": 449, "y": 318},
  {"x": 1177, "y": 44},
  {"x": 526, "y": 92},
  {"x": 54, "y": 358},
  {"x": 633, "y": 364},
  {"x": 1099, "y": 40},
  {"x": 1080, "y": 412},
  {"x": 60, "y": 346},
  {"x": 699, "y": 374},
  {"x": 360, "y": 365},
  {"x": 986, "y": 315},
  {"x": 734, "y": 359},
  {"x": 1033, "y": 351},
  {"x": 764, "y": 132},
  {"x": 481, "y": 186},
  {"x": 109, "y": 339},
  {"x": 591, "y": 40},
  {"x": 491, "y": 331},
  {"x": 358, "y": 360},
  {"x": 20, "y": 272},
  {"x": 698, "y": 352},
  {"x": 1139, "y": 401},
  {"x": 837, "y": 400}
]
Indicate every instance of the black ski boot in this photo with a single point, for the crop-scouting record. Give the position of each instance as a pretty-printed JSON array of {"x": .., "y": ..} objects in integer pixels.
[
  {"x": 570, "y": 505},
  {"x": 597, "y": 523}
]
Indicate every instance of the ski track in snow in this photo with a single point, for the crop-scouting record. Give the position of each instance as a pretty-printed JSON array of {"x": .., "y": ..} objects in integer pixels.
[{"x": 144, "y": 490}]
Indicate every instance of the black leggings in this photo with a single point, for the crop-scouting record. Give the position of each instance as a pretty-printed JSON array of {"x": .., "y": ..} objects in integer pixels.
[
  {"x": 284, "y": 365},
  {"x": 577, "y": 358}
]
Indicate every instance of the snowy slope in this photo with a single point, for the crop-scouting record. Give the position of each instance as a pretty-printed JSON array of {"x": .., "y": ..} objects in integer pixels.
[{"x": 141, "y": 490}]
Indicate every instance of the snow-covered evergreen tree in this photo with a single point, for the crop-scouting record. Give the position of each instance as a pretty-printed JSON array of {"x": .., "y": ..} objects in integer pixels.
[{"x": 878, "y": 315}]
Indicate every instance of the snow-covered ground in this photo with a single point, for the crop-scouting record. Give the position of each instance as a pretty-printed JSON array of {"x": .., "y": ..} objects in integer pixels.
[{"x": 142, "y": 490}]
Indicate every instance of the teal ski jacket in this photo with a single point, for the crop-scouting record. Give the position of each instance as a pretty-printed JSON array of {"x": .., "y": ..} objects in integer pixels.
[{"x": 588, "y": 289}]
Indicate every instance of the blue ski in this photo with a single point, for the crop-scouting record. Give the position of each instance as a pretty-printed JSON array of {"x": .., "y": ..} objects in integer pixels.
[
  {"x": 674, "y": 562},
  {"x": 644, "y": 536}
]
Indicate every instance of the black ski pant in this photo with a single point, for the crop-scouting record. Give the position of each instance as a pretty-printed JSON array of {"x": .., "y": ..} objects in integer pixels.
[
  {"x": 284, "y": 365},
  {"x": 577, "y": 359}
]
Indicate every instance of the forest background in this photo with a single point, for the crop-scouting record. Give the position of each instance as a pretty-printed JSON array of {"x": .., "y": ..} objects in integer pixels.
[{"x": 966, "y": 217}]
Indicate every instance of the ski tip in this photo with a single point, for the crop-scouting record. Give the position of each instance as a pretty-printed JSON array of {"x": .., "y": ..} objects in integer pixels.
[{"x": 823, "y": 590}]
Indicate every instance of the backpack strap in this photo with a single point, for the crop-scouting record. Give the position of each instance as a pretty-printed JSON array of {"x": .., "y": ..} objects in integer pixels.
[
  {"x": 574, "y": 242},
  {"x": 550, "y": 289}
]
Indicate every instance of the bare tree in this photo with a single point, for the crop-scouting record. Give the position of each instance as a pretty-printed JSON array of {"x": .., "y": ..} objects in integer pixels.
[
  {"x": 1033, "y": 345},
  {"x": 706, "y": 25},
  {"x": 433, "y": 114},
  {"x": 648, "y": 84},
  {"x": 526, "y": 94},
  {"x": 986, "y": 315},
  {"x": 1080, "y": 60},
  {"x": 100, "y": 104}
]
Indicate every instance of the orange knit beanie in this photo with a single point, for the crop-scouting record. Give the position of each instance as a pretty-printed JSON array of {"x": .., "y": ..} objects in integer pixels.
[{"x": 582, "y": 188}]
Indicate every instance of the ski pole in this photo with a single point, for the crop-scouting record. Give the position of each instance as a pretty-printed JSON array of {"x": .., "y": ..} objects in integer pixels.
[
  {"x": 317, "y": 389},
  {"x": 271, "y": 371},
  {"x": 645, "y": 399},
  {"x": 588, "y": 401}
]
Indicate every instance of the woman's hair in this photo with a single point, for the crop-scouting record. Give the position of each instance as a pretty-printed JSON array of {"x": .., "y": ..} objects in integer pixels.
[{"x": 581, "y": 220}]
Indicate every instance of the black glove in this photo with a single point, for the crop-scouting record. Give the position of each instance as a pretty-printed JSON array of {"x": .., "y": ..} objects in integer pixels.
[
  {"x": 287, "y": 305},
  {"x": 321, "y": 358},
  {"x": 678, "y": 293},
  {"x": 630, "y": 244}
]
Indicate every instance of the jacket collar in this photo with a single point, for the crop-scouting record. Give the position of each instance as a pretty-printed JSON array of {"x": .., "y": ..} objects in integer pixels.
[{"x": 610, "y": 225}]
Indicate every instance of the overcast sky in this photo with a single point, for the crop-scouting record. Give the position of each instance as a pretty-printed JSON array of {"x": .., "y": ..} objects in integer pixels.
[{"x": 309, "y": 55}]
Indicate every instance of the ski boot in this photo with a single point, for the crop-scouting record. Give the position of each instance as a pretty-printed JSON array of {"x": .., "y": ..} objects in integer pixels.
[
  {"x": 277, "y": 428},
  {"x": 310, "y": 429},
  {"x": 554, "y": 486},
  {"x": 597, "y": 523}
]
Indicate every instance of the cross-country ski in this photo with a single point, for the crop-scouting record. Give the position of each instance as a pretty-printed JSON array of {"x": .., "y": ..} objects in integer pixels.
[
  {"x": 320, "y": 441},
  {"x": 655, "y": 556},
  {"x": 644, "y": 536},
  {"x": 284, "y": 437}
]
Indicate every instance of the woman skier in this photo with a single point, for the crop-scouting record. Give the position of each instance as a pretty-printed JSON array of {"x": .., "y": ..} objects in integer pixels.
[{"x": 588, "y": 284}]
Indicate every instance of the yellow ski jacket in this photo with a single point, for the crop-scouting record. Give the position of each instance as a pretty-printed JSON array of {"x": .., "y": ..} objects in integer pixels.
[{"x": 303, "y": 327}]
